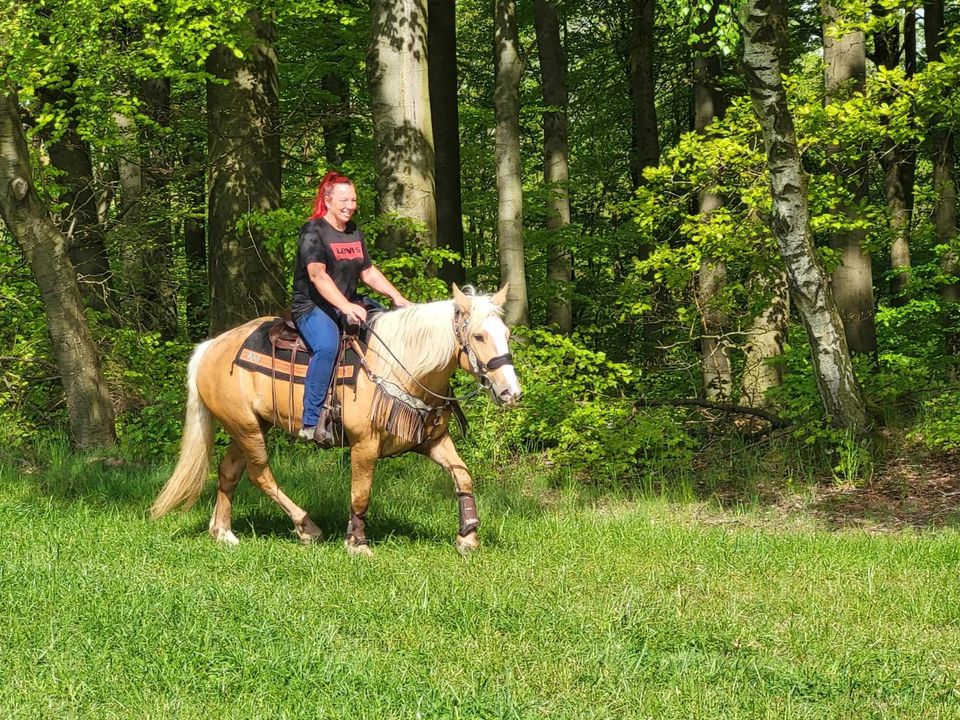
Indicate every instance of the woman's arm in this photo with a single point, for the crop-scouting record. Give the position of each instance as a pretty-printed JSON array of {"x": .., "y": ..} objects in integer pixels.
[
  {"x": 376, "y": 280},
  {"x": 331, "y": 293}
]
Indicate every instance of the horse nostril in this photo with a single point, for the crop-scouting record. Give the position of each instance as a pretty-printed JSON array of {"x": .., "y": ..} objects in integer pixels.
[{"x": 508, "y": 397}]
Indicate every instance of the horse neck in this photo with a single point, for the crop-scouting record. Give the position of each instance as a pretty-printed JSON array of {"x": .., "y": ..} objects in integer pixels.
[{"x": 436, "y": 379}]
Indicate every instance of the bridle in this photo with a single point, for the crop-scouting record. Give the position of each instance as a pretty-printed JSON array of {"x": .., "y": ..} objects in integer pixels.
[{"x": 477, "y": 366}]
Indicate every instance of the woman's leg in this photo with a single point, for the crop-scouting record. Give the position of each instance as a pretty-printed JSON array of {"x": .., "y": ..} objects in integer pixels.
[{"x": 322, "y": 334}]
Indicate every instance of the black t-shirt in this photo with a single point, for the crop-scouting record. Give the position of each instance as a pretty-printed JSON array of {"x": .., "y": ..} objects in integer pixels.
[{"x": 344, "y": 254}]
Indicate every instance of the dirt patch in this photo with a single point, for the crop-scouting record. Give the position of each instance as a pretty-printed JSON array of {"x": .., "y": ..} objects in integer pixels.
[{"x": 917, "y": 489}]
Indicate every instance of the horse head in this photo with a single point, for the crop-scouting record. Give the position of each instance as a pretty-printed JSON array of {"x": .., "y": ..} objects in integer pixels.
[{"x": 482, "y": 343}]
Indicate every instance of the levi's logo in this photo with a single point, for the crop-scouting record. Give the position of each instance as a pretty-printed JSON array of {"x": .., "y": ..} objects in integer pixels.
[{"x": 347, "y": 251}]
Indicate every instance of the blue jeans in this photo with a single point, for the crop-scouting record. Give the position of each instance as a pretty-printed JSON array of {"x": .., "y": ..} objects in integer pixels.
[{"x": 322, "y": 334}]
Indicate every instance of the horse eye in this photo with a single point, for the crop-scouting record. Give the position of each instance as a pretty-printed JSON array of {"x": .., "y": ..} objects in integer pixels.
[{"x": 478, "y": 338}]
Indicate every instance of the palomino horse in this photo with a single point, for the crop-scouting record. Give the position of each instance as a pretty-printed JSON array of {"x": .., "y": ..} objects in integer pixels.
[{"x": 400, "y": 405}]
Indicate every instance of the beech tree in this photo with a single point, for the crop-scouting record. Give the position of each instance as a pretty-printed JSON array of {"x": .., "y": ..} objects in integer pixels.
[
  {"x": 709, "y": 105},
  {"x": 445, "y": 116},
  {"x": 844, "y": 67},
  {"x": 556, "y": 174},
  {"x": 506, "y": 100},
  {"x": 402, "y": 125},
  {"x": 247, "y": 278}
]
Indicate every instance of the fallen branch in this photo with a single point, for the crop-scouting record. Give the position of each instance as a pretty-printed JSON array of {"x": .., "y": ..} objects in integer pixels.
[{"x": 774, "y": 420}]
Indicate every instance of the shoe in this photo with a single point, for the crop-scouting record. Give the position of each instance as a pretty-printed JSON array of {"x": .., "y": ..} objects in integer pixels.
[{"x": 307, "y": 433}]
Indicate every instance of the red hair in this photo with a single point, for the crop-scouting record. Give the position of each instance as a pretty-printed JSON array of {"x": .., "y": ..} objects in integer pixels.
[{"x": 326, "y": 188}]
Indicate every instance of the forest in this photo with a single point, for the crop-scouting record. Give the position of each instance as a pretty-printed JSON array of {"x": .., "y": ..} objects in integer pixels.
[
  {"x": 729, "y": 237},
  {"x": 159, "y": 159}
]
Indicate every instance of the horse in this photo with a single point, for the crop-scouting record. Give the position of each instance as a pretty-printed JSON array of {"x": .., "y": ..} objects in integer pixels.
[{"x": 399, "y": 404}]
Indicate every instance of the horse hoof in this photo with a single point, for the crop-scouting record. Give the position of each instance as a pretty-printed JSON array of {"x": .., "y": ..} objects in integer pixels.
[
  {"x": 466, "y": 545},
  {"x": 309, "y": 537},
  {"x": 357, "y": 550},
  {"x": 225, "y": 537}
]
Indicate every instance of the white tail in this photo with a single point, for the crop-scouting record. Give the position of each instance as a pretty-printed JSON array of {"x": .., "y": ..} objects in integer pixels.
[{"x": 193, "y": 467}]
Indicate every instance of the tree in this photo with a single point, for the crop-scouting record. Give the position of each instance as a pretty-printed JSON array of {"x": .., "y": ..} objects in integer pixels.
[
  {"x": 79, "y": 219},
  {"x": 506, "y": 100},
  {"x": 764, "y": 39},
  {"x": 940, "y": 142},
  {"x": 445, "y": 115},
  {"x": 398, "y": 76},
  {"x": 146, "y": 223},
  {"x": 556, "y": 175},
  {"x": 709, "y": 105},
  {"x": 88, "y": 399},
  {"x": 646, "y": 141},
  {"x": 896, "y": 159},
  {"x": 247, "y": 277},
  {"x": 844, "y": 60}
]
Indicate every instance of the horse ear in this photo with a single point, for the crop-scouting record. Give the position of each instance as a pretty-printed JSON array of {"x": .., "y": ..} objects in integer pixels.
[
  {"x": 463, "y": 302},
  {"x": 501, "y": 297}
]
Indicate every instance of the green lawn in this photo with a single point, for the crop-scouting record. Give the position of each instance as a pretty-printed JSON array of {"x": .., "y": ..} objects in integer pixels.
[{"x": 573, "y": 608}]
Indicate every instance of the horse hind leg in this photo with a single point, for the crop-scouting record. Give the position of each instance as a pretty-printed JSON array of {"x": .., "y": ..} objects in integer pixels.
[
  {"x": 228, "y": 475},
  {"x": 259, "y": 473}
]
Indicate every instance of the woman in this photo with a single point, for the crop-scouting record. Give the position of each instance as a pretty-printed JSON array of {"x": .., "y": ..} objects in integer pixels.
[{"x": 331, "y": 258}]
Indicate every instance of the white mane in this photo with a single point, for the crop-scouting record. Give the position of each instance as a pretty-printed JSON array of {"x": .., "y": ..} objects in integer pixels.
[{"x": 422, "y": 337}]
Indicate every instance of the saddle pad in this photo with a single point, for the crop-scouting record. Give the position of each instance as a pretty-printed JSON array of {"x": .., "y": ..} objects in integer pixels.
[{"x": 257, "y": 355}]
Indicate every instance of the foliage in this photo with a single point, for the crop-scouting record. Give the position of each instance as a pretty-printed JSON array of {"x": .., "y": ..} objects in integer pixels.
[{"x": 576, "y": 408}]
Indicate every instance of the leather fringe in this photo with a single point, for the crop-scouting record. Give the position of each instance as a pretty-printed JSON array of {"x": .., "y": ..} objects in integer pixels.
[{"x": 397, "y": 418}]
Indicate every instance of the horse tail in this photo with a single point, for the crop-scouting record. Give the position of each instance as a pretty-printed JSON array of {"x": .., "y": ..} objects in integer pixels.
[{"x": 193, "y": 467}]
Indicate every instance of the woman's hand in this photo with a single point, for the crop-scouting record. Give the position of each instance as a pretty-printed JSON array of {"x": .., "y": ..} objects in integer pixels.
[
  {"x": 400, "y": 301},
  {"x": 354, "y": 314}
]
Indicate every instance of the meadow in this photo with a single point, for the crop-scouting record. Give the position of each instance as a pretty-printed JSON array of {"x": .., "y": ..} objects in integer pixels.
[{"x": 580, "y": 604}]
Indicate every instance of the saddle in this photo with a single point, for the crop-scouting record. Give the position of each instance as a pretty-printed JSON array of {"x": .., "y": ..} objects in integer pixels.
[{"x": 284, "y": 335}]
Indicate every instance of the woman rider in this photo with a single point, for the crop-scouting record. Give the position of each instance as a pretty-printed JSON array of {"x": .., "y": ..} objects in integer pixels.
[{"x": 331, "y": 257}]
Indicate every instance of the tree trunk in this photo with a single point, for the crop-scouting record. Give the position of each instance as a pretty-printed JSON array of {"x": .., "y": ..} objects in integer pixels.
[
  {"x": 940, "y": 140},
  {"x": 147, "y": 254},
  {"x": 765, "y": 33},
  {"x": 646, "y": 141},
  {"x": 402, "y": 126},
  {"x": 709, "y": 105},
  {"x": 336, "y": 129},
  {"x": 898, "y": 170},
  {"x": 445, "y": 114},
  {"x": 506, "y": 99},
  {"x": 79, "y": 221},
  {"x": 844, "y": 60},
  {"x": 195, "y": 245},
  {"x": 556, "y": 176},
  {"x": 88, "y": 399},
  {"x": 765, "y": 341},
  {"x": 247, "y": 278}
]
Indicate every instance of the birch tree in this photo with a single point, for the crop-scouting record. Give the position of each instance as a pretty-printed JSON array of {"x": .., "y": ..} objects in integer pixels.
[
  {"x": 764, "y": 39},
  {"x": 88, "y": 399}
]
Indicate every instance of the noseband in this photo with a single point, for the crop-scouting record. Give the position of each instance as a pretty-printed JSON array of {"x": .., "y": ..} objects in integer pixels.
[{"x": 477, "y": 366}]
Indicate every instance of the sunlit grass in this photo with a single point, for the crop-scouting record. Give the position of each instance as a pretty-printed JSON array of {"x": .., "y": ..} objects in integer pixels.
[{"x": 581, "y": 604}]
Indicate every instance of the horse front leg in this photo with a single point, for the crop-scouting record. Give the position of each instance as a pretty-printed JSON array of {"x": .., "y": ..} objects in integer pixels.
[
  {"x": 443, "y": 452},
  {"x": 363, "y": 462}
]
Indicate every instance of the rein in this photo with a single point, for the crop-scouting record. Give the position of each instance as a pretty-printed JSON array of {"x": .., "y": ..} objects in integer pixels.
[{"x": 445, "y": 398}]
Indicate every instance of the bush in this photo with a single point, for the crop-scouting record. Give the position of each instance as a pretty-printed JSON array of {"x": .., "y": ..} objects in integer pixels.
[{"x": 576, "y": 409}]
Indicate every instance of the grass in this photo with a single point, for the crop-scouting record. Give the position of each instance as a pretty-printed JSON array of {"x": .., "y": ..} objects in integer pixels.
[{"x": 579, "y": 605}]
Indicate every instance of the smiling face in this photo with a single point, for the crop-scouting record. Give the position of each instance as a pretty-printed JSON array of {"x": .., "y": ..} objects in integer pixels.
[{"x": 341, "y": 205}]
